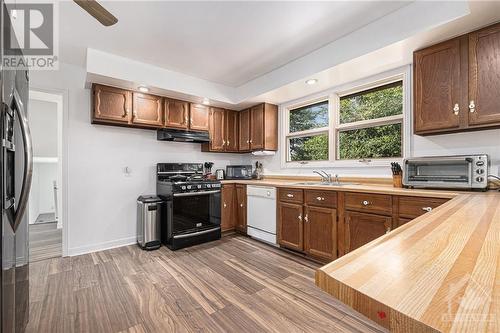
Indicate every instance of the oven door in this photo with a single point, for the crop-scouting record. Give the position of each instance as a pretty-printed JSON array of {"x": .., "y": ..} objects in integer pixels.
[
  {"x": 453, "y": 172},
  {"x": 195, "y": 212}
]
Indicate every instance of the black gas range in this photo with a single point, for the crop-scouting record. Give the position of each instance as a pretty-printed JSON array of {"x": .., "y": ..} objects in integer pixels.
[{"x": 192, "y": 209}]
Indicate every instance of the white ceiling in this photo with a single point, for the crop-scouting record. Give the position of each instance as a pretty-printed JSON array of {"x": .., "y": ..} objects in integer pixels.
[{"x": 229, "y": 43}]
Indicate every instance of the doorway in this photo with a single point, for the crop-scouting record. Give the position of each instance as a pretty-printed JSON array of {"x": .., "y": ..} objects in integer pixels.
[{"x": 45, "y": 117}]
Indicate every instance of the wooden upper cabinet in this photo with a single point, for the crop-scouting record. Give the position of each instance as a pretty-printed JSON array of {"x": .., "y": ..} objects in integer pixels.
[
  {"x": 241, "y": 208},
  {"x": 437, "y": 88},
  {"x": 456, "y": 84},
  {"x": 244, "y": 130},
  {"x": 111, "y": 104},
  {"x": 263, "y": 128},
  {"x": 176, "y": 114},
  {"x": 362, "y": 228},
  {"x": 198, "y": 117},
  {"x": 228, "y": 212},
  {"x": 257, "y": 127},
  {"x": 231, "y": 131},
  {"x": 147, "y": 110},
  {"x": 290, "y": 227},
  {"x": 217, "y": 129},
  {"x": 484, "y": 76},
  {"x": 320, "y": 232}
]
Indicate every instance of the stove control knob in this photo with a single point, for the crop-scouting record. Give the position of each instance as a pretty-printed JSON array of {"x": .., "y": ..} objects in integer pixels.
[
  {"x": 480, "y": 171},
  {"x": 209, "y": 186},
  {"x": 189, "y": 187},
  {"x": 479, "y": 179},
  {"x": 199, "y": 186},
  {"x": 183, "y": 187},
  {"x": 480, "y": 163}
]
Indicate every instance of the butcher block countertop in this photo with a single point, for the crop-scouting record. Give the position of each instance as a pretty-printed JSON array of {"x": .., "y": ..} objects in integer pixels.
[
  {"x": 382, "y": 188},
  {"x": 438, "y": 273}
]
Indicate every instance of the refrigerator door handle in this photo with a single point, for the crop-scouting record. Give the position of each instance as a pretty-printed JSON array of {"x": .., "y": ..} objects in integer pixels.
[{"x": 28, "y": 161}]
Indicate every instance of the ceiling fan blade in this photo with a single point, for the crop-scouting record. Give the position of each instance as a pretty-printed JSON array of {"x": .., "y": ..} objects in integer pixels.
[{"x": 97, "y": 11}]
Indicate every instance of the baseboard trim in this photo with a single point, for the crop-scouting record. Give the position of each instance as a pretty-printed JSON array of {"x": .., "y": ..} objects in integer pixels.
[{"x": 75, "y": 251}]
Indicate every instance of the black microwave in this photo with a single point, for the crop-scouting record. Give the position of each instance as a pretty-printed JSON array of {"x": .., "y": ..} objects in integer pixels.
[{"x": 239, "y": 172}]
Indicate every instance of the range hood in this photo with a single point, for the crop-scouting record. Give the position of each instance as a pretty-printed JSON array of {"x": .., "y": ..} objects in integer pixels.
[{"x": 182, "y": 136}]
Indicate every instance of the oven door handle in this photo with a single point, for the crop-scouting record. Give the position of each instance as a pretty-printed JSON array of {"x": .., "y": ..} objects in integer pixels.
[
  {"x": 192, "y": 194},
  {"x": 198, "y": 233},
  {"x": 28, "y": 161}
]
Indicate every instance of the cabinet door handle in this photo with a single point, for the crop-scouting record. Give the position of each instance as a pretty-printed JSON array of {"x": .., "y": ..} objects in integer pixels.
[
  {"x": 227, "y": 143},
  {"x": 472, "y": 106},
  {"x": 456, "y": 108},
  {"x": 427, "y": 209},
  {"x": 320, "y": 198},
  {"x": 388, "y": 230},
  {"x": 300, "y": 217},
  {"x": 225, "y": 205},
  {"x": 250, "y": 141},
  {"x": 366, "y": 203},
  {"x": 306, "y": 218},
  {"x": 241, "y": 205},
  {"x": 289, "y": 195},
  {"x": 223, "y": 142}
]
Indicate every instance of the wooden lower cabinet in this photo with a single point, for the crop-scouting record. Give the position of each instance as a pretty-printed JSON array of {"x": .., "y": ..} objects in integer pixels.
[
  {"x": 290, "y": 226},
  {"x": 311, "y": 229},
  {"x": 362, "y": 228},
  {"x": 228, "y": 211},
  {"x": 241, "y": 208},
  {"x": 320, "y": 232}
]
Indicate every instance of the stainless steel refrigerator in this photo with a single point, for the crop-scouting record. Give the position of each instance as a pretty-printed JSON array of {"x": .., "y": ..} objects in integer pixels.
[{"x": 15, "y": 181}]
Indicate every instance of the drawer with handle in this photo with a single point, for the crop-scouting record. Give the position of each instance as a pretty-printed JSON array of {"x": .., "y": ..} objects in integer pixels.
[
  {"x": 291, "y": 195},
  {"x": 365, "y": 202},
  {"x": 321, "y": 198},
  {"x": 412, "y": 207}
]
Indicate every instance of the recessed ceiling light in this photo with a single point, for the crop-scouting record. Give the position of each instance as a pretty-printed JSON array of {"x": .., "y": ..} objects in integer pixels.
[
  {"x": 311, "y": 81},
  {"x": 206, "y": 101},
  {"x": 143, "y": 89}
]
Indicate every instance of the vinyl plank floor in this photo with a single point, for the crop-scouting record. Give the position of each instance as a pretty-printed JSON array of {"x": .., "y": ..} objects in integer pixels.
[
  {"x": 45, "y": 241},
  {"x": 232, "y": 285}
]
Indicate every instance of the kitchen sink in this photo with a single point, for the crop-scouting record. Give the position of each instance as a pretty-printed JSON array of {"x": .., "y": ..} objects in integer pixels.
[{"x": 325, "y": 184}]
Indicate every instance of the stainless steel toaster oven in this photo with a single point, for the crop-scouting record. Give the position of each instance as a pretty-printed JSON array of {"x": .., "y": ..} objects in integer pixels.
[{"x": 454, "y": 172}]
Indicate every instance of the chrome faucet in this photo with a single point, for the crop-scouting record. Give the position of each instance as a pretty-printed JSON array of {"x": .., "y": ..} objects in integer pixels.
[{"x": 327, "y": 177}]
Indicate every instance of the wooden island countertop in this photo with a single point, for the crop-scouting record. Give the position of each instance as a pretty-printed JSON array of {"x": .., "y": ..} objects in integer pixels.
[{"x": 437, "y": 273}]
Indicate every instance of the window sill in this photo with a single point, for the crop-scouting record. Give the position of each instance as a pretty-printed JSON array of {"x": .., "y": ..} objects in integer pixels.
[{"x": 341, "y": 164}]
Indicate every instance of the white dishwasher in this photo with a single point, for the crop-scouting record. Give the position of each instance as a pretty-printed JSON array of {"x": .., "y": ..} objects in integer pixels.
[{"x": 261, "y": 213}]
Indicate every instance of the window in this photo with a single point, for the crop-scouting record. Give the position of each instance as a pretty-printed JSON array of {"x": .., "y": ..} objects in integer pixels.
[
  {"x": 357, "y": 126},
  {"x": 370, "y": 123},
  {"x": 307, "y": 137}
]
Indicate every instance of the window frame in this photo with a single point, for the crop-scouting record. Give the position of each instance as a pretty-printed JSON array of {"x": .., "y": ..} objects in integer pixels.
[
  {"x": 311, "y": 132},
  {"x": 333, "y": 96}
]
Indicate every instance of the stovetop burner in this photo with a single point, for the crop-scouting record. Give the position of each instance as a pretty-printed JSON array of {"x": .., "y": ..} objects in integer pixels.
[{"x": 185, "y": 178}]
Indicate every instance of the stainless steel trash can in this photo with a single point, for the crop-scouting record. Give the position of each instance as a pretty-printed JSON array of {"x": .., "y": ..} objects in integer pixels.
[{"x": 149, "y": 222}]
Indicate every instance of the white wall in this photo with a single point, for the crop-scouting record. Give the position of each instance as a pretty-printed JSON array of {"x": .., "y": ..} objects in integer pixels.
[
  {"x": 101, "y": 198},
  {"x": 43, "y": 126},
  {"x": 42, "y": 189}
]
